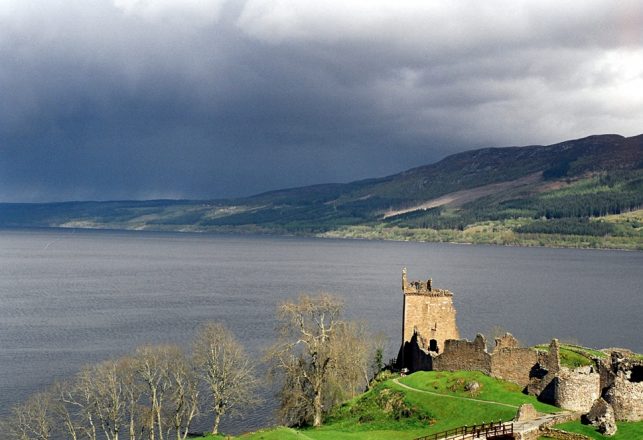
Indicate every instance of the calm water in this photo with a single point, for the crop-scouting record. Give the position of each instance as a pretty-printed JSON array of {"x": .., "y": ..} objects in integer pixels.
[{"x": 68, "y": 298}]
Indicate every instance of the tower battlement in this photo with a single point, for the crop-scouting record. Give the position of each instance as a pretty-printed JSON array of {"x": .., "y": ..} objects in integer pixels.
[{"x": 421, "y": 287}]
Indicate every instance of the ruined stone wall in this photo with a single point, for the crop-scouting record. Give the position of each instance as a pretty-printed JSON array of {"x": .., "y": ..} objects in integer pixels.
[
  {"x": 513, "y": 364},
  {"x": 544, "y": 372},
  {"x": 460, "y": 354},
  {"x": 547, "y": 429},
  {"x": 508, "y": 361},
  {"x": 577, "y": 389},
  {"x": 626, "y": 397},
  {"x": 526, "y": 412},
  {"x": 551, "y": 359},
  {"x": 506, "y": 341},
  {"x": 413, "y": 358},
  {"x": 559, "y": 434},
  {"x": 608, "y": 376},
  {"x": 622, "y": 383}
]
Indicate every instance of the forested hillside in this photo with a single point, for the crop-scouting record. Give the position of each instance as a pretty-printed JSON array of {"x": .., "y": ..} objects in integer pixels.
[{"x": 582, "y": 193}]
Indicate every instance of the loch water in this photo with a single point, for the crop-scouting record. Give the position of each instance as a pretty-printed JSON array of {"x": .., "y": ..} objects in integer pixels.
[{"x": 73, "y": 297}]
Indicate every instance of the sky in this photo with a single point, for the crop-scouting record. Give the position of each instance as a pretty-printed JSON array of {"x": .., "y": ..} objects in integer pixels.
[{"x": 204, "y": 99}]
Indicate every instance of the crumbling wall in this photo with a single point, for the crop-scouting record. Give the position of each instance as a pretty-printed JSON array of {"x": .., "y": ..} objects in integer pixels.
[
  {"x": 413, "y": 357},
  {"x": 506, "y": 341},
  {"x": 461, "y": 354},
  {"x": 526, "y": 412},
  {"x": 626, "y": 397},
  {"x": 623, "y": 385},
  {"x": 577, "y": 389},
  {"x": 543, "y": 373},
  {"x": 608, "y": 376},
  {"x": 559, "y": 434},
  {"x": 513, "y": 364}
]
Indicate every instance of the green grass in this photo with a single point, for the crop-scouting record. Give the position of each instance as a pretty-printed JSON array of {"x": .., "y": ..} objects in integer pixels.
[
  {"x": 277, "y": 433},
  {"x": 390, "y": 411},
  {"x": 626, "y": 430},
  {"x": 492, "y": 390},
  {"x": 574, "y": 356}
]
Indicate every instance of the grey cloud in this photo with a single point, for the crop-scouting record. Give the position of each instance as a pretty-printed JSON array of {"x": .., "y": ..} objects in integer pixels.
[{"x": 205, "y": 99}]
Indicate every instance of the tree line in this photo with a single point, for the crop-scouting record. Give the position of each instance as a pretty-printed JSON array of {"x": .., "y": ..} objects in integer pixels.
[
  {"x": 568, "y": 210},
  {"x": 159, "y": 391}
]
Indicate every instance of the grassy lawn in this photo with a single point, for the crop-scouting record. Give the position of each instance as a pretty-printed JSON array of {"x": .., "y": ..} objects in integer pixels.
[
  {"x": 626, "y": 430},
  {"x": 493, "y": 390},
  {"x": 574, "y": 356},
  {"x": 277, "y": 433},
  {"x": 390, "y": 411}
]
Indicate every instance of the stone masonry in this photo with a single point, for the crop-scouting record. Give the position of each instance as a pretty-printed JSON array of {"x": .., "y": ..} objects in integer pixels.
[
  {"x": 577, "y": 389},
  {"x": 508, "y": 360},
  {"x": 460, "y": 354},
  {"x": 429, "y": 312},
  {"x": 431, "y": 342},
  {"x": 624, "y": 390}
]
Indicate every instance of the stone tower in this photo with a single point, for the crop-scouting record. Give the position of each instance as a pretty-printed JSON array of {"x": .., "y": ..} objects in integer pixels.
[{"x": 429, "y": 312}]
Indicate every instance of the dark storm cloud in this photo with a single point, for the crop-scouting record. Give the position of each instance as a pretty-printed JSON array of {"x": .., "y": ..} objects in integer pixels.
[{"x": 211, "y": 98}]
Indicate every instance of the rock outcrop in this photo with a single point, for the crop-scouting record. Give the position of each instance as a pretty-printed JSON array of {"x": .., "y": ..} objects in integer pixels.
[{"x": 601, "y": 415}]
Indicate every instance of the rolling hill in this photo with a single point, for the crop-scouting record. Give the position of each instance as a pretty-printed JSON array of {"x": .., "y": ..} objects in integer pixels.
[{"x": 583, "y": 193}]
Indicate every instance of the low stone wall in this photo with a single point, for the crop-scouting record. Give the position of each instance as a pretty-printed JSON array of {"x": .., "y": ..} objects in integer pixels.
[
  {"x": 561, "y": 435},
  {"x": 508, "y": 361},
  {"x": 537, "y": 431},
  {"x": 460, "y": 354},
  {"x": 533, "y": 434},
  {"x": 513, "y": 364},
  {"x": 563, "y": 418}
]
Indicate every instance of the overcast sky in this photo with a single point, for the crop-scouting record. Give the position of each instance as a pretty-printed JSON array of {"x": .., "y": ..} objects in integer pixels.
[{"x": 134, "y": 99}]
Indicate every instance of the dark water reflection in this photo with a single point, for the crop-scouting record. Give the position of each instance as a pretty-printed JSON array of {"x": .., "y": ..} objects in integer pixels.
[{"x": 71, "y": 298}]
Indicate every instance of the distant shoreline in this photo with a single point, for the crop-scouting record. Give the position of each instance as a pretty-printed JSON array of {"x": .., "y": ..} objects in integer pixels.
[{"x": 370, "y": 233}]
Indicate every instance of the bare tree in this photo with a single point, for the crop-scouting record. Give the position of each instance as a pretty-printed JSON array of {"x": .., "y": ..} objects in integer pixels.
[
  {"x": 64, "y": 411},
  {"x": 153, "y": 364},
  {"x": 352, "y": 353},
  {"x": 79, "y": 399},
  {"x": 226, "y": 369},
  {"x": 133, "y": 390},
  {"x": 183, "y": 401},
  {"x": 304, "y": 356},
  {"x": 94, "y": 402},
  {"x": 108, "y": 397},
  {"x": 31, "y": 420}
]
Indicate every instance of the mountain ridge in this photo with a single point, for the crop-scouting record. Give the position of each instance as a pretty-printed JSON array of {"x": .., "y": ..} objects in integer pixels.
[{"x": 526, "y": 185}]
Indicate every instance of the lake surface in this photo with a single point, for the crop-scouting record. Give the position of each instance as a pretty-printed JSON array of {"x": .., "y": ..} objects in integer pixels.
[{"x": 68, "y": 298}]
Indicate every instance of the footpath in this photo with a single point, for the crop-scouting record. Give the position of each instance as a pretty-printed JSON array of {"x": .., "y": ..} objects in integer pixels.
[{"x": 522, "y": 429}]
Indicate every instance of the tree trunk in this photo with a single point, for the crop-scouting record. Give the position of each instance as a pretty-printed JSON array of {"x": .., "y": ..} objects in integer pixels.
[
  {"x": 151, "y": 427},
  {"x": 217, "y": 419},
  {"x": 132, "y": 428},
  {"x": 159, "y": 422},
  {"x": 317, "y": 409}
]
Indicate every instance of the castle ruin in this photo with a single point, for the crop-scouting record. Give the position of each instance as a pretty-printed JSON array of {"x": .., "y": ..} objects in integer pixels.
[{"x": 430, "y": 341}]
